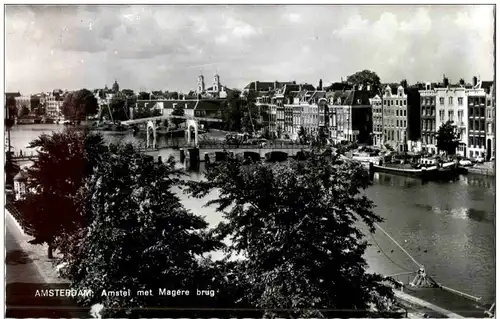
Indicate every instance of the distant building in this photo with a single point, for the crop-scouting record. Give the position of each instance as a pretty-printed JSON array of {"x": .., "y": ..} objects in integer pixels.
[
  {"x": 428, "y": 112},
  {"x": 23, "y": 101},
  {"x": 20, "y": 184},
  {"x": 378, "y": 121},
  {"x": 351, "y": 115},
  {"x": 217, "y": 90},
  {"x": 395, "y": 118},
  {"x": 53, "y": 105},
  {"x": 490, "y": 119}
]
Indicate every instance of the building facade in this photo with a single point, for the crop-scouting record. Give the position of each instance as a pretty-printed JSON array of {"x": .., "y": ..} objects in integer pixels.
[
  {"x": 451, "y": 105},
  {"x": 378, "y": 120},
  {"x": 395, "y": 118},
  {"x": 428, "y": 119},
  {"x": 476, "y": 126},
  {"x": 490, "y": 123}
]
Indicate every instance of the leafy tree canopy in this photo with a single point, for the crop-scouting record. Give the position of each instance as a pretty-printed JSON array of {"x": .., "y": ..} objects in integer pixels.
[
  {"x": 447, "y": 139},
  {"x": 138, "y": 235},
  {"x": 178, "y": 111},
  {"x": 365, "y": 77},
  {"x": 143, "y": 96},
  {"x": 295, "y": 224},
  {"x": 79, "y": 104},
  {"x": 65, "y": 160}
]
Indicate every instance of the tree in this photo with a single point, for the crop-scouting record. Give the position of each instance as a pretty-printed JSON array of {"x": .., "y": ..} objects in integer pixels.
[
  {"x": 295, "y": 225},
  {"x": 172, "y": 95},
  {"x": 143, "y": 96},
  {"x": 178, "y": 111},
  {"x": 133, "y": 215},
  {"x": 25, "y": 111},
  {"x": 231, "y": 112},
  {"x": 64, "y": 161},
  {"x": 11, "y": 168},
  {"x": 144, "y": 110},
  {"x": 250, "y": 121},
  {"x": 303, "y": 135},
  {"x": 404, "y": 83},
  {"x": 79, "y": 104},
  {"x": 365, "y": 77},
  {"x": 447, "y": 139},
  {"x": 119, "y": 108},
  {"x": 128, "y": 92}
]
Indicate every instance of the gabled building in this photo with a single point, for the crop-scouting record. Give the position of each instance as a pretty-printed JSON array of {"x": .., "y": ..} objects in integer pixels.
[
  {"x": 395, "y": 118},
  {"x": 428, "y": 116},
  {"x": 378, "y": 121},
  {"x": 351, "y": 115}
]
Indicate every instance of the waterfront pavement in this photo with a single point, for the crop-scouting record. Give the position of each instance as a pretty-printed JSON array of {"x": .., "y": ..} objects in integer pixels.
[{"x": 26, "y": 272}]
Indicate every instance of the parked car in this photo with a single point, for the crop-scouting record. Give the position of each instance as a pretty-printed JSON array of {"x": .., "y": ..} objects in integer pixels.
[{"x": 479, "y": 159}]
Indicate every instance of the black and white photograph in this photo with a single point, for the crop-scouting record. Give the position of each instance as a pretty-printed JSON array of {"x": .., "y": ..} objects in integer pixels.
[{"x": 218, "y": 160}]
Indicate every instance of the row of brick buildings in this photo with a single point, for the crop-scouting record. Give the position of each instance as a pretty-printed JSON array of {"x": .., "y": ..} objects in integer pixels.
[{"x": 404, "y": 118}]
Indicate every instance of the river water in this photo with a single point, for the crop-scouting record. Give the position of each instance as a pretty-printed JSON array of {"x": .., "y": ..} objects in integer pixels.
[{"x": 449, "y": 228}]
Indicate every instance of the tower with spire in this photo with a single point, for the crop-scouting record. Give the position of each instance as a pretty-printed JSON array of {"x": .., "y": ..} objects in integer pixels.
[
  {"x": 201, "y": 84},
  {"x": 216, "y": 83}
]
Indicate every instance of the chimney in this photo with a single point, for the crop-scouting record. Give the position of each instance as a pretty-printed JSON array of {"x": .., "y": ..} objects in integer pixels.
[
  {"x": 320, "y": 84},
  {"x": 256, "y": 85},
  {"x": 474, "y": 81}
]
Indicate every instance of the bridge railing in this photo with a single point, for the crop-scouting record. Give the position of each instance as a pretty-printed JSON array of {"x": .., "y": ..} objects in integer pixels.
[
  {"x": 23, "y": 155},
  {"x": 247, "y": 146}
]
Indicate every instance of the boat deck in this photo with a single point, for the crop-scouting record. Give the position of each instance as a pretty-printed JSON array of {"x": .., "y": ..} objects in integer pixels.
[{"x": 450, "y": 301}]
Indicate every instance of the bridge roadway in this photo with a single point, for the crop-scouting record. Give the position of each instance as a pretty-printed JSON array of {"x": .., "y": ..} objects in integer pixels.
[
  {"x": 248, "y": 150},
  {"x": 217, "y": 150}
]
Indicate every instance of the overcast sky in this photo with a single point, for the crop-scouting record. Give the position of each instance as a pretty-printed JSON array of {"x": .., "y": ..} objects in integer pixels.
[{"x": 167, "y": 47}]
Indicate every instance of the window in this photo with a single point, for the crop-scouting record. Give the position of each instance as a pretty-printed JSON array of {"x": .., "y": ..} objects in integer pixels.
[
  {"x": 460, "y": 116},
  {"x": 460, "y": 101},
  {"x": 392, "y": 102},
  {"x": 441, "y": 100},
  {"x": 450, "y": 115},
  {"x": 441, "y": 115},
  {"x": 450, "y": 100},
  {"x": 404, "y": 112},
  {"x": 397, "y": 112},
  {"x": 489, "y": 102},
  {"x": 404, "y": 102}
]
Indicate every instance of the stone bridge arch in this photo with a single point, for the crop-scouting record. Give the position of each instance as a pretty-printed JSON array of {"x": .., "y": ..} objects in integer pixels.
[{"x": 151, "y": 126}]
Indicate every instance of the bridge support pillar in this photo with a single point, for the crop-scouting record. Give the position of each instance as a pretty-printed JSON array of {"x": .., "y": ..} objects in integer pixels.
[
  {"x": 192, "y": 123},
  {"x": 151, "y": 126}
]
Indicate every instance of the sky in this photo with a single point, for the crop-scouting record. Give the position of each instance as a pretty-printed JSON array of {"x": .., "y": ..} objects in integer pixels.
[{"x": 167, "y": 47}]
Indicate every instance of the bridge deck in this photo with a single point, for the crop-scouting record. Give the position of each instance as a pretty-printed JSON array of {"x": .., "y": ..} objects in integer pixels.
[{"x": 162, "y": 117}]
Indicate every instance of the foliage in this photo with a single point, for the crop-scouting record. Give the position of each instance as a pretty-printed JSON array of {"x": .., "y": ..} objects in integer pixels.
[
  {"x": 79, "y": 104},
  {"x": 250, "y": 120},
  {"x": 138, "y": 235},
  {"x": 447, "y": 139},
  {"x": 119, "y": 108},
  {"x": 365, "y": 77},
  {"x": 303, "y": 136},
  {"x": 172, "y": 95},
  {"x": 39, "y": 110},
  {"x": 404, "y": 83},
  {"x": 143, "y": 96},
  {"x": 178, "y": 111},
  {"x": 232, "y": 112},
  {"x": 11, "y": 169},
  {"x": 25, "y": 111},
  {"x": 128, "y": 92},
  {"x": 65, "y": 160},
  {"x": 295, "y": 224}
]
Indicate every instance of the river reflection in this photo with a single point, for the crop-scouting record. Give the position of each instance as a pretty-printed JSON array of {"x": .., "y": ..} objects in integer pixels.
[{"x": 448, "y": 227}]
